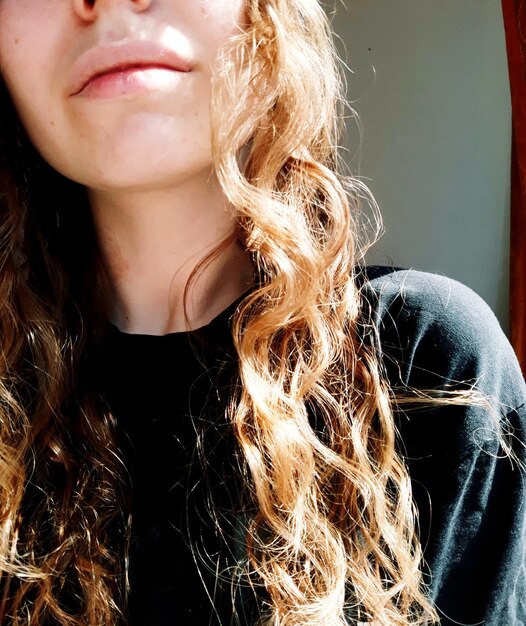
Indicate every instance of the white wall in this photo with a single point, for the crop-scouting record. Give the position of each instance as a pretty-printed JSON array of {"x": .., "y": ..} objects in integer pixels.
[{"x": 430, "y": 86}]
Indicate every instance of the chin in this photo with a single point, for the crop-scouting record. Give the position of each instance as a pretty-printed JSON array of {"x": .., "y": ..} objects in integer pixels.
[{"x": 135, "y": 177}]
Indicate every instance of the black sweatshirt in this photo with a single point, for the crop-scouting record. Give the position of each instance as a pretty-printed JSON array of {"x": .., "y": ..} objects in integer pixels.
[{"x": 169, "y": 392}]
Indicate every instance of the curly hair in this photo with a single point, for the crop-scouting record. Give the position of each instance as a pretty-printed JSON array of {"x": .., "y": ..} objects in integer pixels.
[{"x": 333, "y": 535}]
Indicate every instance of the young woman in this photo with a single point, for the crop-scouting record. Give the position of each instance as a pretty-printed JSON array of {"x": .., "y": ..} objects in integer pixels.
[{"x": 210, "y": 413}]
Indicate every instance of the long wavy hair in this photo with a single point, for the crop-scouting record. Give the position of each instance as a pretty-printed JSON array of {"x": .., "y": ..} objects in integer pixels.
[{"x": 332, "y": 538}]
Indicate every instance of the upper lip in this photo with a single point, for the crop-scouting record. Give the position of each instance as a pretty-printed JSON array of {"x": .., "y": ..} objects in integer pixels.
[{"x": 103, "y": 59}]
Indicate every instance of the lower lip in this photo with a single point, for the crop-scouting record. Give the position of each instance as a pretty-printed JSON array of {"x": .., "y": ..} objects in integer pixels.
[{"x": 132, "y": 81}]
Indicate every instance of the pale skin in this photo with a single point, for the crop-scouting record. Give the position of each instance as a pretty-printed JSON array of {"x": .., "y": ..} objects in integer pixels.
[{"x": 144, "y": 157}]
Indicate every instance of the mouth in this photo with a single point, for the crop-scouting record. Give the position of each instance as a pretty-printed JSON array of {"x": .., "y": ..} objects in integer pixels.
[
  {"x": 124, "y": 61},
  {"x": 121, "y": 72}
]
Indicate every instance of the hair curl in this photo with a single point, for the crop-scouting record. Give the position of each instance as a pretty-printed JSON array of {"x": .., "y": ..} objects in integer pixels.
[
  {"x": 62, "y": 483},
  {"x": 334, "y": 535},
  {"x": 333, "y": 538}
]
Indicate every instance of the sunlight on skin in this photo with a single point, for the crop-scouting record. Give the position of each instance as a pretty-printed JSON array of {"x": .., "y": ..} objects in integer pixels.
[{"x": 144, "y": 154}]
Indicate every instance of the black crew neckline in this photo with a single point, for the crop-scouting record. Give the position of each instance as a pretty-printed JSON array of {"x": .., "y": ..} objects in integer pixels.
[{"x": 216, "y": 323}]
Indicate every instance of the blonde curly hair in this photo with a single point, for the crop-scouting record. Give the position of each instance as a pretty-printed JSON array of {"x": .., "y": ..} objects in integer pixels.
[{"x": 333, "y": 535}]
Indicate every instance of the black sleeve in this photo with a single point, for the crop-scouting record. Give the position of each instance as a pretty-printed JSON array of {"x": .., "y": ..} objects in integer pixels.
[{"x": 436, "y": 333}]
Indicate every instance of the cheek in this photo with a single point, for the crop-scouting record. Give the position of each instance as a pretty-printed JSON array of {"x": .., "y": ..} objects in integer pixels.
[
  {"x": 221, "y": 19},
  {"x": 29, "y": 48},
  {"x": 36, "y": 102},
  {"x": 40, "y": 115},
  {"x": 22, "y": 29},
  {"x": 24, "y": 73},
  {"x": 34, "y": 106}
]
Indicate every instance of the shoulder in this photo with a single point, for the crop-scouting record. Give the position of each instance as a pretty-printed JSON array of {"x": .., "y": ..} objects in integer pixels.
[
  {"x": 431, "y": 298},
  {"x": 435, "y": 331}
]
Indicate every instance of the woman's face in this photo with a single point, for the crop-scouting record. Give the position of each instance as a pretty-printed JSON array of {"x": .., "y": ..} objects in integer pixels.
[{"x": 128, "y": 128}]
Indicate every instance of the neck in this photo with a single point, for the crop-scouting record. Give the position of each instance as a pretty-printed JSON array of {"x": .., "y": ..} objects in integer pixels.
[{"x": 152, "y": 240}]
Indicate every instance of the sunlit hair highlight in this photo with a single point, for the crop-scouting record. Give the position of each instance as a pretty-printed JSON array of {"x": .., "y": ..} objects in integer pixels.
[{"x": 333, "y": 539}]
